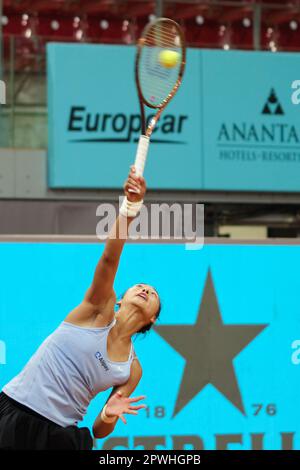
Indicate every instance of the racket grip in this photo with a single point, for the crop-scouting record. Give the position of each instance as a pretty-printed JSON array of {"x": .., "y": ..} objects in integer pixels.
[{"x": 141, "y": 155}]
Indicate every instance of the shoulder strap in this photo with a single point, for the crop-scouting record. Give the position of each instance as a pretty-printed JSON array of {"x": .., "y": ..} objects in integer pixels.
[{"x": 132, "y": 353}]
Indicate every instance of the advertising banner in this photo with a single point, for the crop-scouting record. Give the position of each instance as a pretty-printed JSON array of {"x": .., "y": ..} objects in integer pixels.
[
  {"x": 221, "y": 367},
  {"x": 94, "y": 121},
  {"x": 232, "y": 125},
  {"x": 251, "y": 127}
]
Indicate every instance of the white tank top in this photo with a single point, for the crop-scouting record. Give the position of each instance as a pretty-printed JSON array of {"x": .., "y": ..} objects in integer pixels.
[{"x": 69, "y": 369}]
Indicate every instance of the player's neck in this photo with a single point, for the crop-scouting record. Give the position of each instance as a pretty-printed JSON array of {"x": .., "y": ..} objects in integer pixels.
[{"x": 128, "y": 323}]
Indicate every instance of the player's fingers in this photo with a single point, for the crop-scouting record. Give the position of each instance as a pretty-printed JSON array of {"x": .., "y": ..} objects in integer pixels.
[
  {"x": 132, "y": 172},
  {"x": 132, "y": 186},
  {"x": 123, "y": 419},
  {"x": 143, "y": 186},
  {"x": 133, "y": 178},
  {"x": 130, "y": 412},
  {"x": 139, "y": 407},
  {"x": 133, "y": 181},
  {"x": 132, "y": 189},
  {"x": 133, "y": 400}
]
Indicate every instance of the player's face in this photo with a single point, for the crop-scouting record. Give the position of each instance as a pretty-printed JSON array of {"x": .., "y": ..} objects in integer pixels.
[{"x": 144, "y": 296}]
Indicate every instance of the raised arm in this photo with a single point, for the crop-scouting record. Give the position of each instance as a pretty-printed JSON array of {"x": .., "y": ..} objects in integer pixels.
[
  {"x": 101, "y": 292},
  {"x": 106, "y": 269}
]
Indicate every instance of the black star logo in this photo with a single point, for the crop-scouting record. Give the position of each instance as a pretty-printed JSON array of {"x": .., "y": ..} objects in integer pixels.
[
  {"x": 272, "y": 105},
  {"x": 209, "y": 348}
]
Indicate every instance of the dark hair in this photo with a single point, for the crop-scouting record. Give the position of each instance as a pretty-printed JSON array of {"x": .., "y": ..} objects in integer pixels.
[{"x": 148, "y": 327}]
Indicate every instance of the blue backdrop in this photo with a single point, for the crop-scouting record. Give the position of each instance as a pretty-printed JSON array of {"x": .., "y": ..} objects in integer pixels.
[
  {"x": 232, "y": 125},
  {"x": 219, "y": 366}
]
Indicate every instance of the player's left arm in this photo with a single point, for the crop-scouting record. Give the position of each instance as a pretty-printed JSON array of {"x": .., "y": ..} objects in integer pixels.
[{"x": 119, "y": 402}]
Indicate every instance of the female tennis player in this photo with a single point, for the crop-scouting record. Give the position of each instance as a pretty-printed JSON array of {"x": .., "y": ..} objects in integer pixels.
[{"x": 90, "y": 351}]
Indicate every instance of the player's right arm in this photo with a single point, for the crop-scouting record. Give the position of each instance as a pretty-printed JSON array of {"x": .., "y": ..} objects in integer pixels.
[{"x": 100, "y": 297}]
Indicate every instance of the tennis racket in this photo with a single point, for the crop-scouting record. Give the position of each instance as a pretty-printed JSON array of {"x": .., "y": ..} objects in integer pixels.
[{"x": 157, "y": 80}]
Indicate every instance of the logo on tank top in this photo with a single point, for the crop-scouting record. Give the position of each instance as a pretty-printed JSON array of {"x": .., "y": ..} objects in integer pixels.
[{"x": 99, "y": 356}]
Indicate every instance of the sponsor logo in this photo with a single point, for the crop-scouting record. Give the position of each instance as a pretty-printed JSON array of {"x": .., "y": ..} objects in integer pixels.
[
  {"x": 273, "y": 139},
  {"x": 272, "y": 105},
  {"x": 209, "y": 348},
  {"x": 100, "y": 358},
  {"x": 85, "y": 126}
]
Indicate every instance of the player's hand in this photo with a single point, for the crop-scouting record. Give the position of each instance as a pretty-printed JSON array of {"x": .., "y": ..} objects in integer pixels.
[
  {"x": 134, "y": 186},
  {"x": 117, "y": 405}
]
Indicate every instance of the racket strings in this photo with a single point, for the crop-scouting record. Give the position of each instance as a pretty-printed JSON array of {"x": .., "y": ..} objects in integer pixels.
[
  {"x": 156, "y": 80},
  {"x": 159, "y": 37}
]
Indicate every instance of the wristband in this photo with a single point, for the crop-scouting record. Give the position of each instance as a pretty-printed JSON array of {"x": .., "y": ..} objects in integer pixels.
[
  {"x": 105, "y": 418},
  {"x": 130, "y": 209}
]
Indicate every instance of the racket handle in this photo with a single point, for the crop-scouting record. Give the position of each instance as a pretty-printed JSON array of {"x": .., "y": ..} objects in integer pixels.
[{"x": 141, "y": 155}]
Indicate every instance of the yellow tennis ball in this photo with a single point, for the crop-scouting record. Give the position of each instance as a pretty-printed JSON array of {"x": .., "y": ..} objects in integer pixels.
[{"x": 168, "y": 58}]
